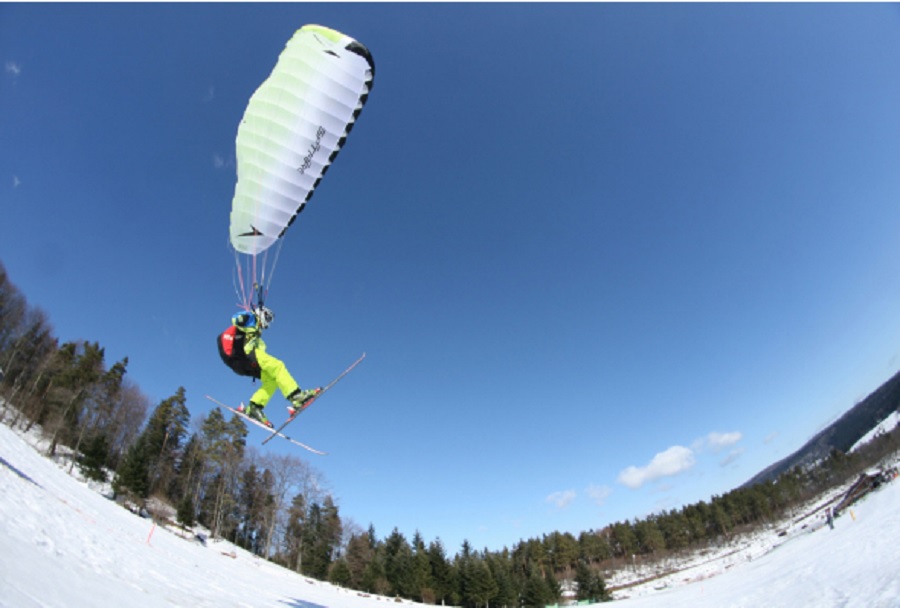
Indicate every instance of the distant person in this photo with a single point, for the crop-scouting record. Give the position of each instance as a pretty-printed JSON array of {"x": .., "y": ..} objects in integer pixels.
[{"x": 242, "y": 349}]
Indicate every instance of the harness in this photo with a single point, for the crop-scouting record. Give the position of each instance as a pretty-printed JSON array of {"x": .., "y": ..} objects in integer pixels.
[{"x": 231, "y": 349}]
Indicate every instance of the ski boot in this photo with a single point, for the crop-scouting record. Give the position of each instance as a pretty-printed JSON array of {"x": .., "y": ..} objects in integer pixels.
[
  {"x": 299, "y": 399},
  {"x": 255, "y": 412}
]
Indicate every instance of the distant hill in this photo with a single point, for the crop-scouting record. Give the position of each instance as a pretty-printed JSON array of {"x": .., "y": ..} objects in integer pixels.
[{"x": 843, "y": 433}]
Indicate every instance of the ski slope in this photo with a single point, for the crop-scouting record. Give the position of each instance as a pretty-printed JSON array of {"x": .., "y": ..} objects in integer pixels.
[
  {"x": 63, "y": 544},
  {"x": 852, "y": 565}
]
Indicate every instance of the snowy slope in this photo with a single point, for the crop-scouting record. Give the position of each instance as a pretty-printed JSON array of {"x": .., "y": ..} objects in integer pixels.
[
  {"x": 885, "y": 426},
  {"x": 63, "y": 544},
  {"x": 852, "y": 565}
]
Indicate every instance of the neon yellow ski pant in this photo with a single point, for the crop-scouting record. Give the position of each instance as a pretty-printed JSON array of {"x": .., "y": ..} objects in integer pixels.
[{"x": 273, "y": 375}]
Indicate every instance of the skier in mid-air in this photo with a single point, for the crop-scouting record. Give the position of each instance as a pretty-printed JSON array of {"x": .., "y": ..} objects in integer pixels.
[{"x": 242, "y": 348}]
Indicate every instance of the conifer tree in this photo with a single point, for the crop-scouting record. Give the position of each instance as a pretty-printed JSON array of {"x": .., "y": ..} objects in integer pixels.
[
  {"x": 81, "y": 368},
  {"x": 649, "y": 538},
  {"x": 398, "y": 565},
  {"x": 316, "y": 558},
  {"x": 12, "y": 315},
  {"x": 188, "y": 482},
  {"x": 536, "y": 591},
  {"x": 422, "y": 582},
  {"x": 97, "y": 417},
  {"x": 477, "y": 582},
  {"x": 720, "y": 522},
  {"x": 93, "y": 458},
  {"x": 359, "y": 555},
  {"x": 185, "y": 513},
  {"x": 675, "y": 529},
  {"x": 623, "y": 539},
  {"x": 133, "y": 476},
  {"x": 255, "y": 509},
  {"x": 500, "y": 566},
  {"x": 562, "y": 551},
  {"x": 294, "y": 533},
  {"x": 150, "y": 462},
  {"x": 443, "y": 582},
  {"x": 593, "y": 547},
  {"x": 164, "y": 434},
  {"x": 332, "y": 529},
  {"x": 339, "y": 574},
  {"x": 591, "y": 586},
  {"x": 374, "y": 576}
]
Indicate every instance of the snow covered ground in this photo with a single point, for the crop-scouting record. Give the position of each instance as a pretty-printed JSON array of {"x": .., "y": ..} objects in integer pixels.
[
  {"x": 885, "y": 426},
  {"x": 62, "y": 543},
  {"x": 811, "y": 565}
]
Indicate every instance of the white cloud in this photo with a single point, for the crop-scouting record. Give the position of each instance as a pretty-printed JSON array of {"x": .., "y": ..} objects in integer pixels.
[
  {"x": 210, "y": 94},
  {"x": 719, "y": 441},
  {"x": 16, "y": 181},
  {"x": 561, "y": 499},
  {"x": 677, "y": 459},
  {"x": 13, "y": 68},
  {"x": 732, "y": 456},
  {"x": 598, "y": 494}
]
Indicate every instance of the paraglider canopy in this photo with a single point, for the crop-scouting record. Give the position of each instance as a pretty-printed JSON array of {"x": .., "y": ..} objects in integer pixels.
[{"x": 292, "y": 130}]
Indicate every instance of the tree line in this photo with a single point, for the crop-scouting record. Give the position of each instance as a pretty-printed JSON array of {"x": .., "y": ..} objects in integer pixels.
[{"x": 277, "y": 507}]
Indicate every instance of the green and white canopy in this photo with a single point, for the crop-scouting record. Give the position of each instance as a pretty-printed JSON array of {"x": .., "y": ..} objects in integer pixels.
[{"x": 292, "y": 130}]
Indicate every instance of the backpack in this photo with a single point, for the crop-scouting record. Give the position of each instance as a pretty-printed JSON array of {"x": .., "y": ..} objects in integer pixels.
[{"x": 231, "y": 349}]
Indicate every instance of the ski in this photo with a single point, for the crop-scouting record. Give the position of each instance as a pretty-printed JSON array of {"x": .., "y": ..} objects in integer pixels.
[
  {"x": 315, "y": 398},
  {"x": 262, "y": 426}
]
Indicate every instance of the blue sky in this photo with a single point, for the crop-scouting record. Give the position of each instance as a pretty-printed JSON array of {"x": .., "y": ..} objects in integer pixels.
[{"x": 605, "y": 259}]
